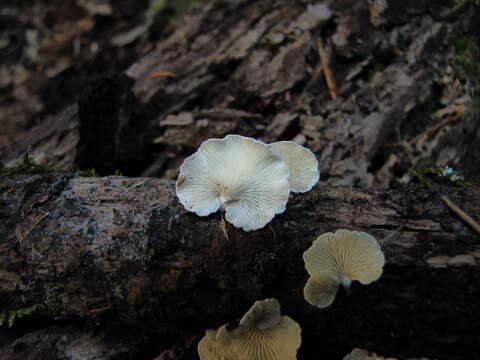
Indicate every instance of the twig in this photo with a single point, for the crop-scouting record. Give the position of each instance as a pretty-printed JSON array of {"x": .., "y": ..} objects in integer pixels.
[
  {"x": 466, "y": 218},
  {"x": 326, "y": 70},
  {"x": 161, "y": 73},
  {"x": 433, "y": 128},
  {"x": 223, "y": 227},
  {"x": 23, "y": 234}
]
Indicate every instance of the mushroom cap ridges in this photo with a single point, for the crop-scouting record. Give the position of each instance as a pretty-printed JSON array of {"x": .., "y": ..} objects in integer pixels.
[
  {"x": 321, "y": 289},
  {"x": 279, "y": 342},
  {"x": 239, "y": 173},
  {"x": 304, "y": 171},
  {"x": 262, "y": 334},
  {"x": 354, "y": 254},
  {"x": 209, "y": 348}
]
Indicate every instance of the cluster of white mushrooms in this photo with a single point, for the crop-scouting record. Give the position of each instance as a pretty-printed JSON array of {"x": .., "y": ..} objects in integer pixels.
[
  {"x": 247, "y": 178},
  {"x": 251, "y": 181}
]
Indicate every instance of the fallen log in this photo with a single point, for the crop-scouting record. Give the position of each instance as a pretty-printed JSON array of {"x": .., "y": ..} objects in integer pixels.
[
  {"x": 118, "y": 251},
  {"x": 73, "y": 342}
]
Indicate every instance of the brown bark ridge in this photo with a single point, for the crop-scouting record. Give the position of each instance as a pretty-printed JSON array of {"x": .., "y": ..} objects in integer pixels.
[
  {"x": 122, "y": 253},
  {"x": 405, "y": 80}
]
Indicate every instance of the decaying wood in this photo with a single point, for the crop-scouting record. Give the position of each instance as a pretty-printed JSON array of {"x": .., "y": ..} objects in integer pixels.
[
  {"x": 402, "y": 76},
  {"x": 74, "y": 342},
  {"x": 119, "y": 251},
  {"x": 52, "y": 142}
]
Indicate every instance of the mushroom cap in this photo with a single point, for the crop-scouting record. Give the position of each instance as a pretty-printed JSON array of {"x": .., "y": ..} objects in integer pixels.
[
  {"x": 321, "y": 289},
  {"x": 279, "y": 342},
  {"x": 238, "y": 173},
  {"x": 262, "y": 315},
  {"x": 353, "y": 254},
  {"x": 304, "y": 172},
  {"x": 263, "y": 334},
  {"x": 210, "y": 348}
]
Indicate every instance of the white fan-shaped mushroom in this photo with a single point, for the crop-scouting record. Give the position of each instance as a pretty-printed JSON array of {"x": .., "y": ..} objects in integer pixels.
[
  {"x": 236, "y": 173},
  {"x": 304, "y": 172}
]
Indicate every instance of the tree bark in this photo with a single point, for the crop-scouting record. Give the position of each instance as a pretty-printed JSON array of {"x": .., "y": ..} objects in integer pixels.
[{"x": 122, "y": 252}]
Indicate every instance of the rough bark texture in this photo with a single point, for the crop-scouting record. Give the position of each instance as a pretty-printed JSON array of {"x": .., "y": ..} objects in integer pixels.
[{"x": 122, "y": 253}]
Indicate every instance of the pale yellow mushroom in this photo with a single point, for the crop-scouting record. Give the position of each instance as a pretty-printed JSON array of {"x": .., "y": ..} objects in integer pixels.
[
  {"x": 265, "y": 335},
  {"x": 262, "y": 315},
  {"x": 345, "y": 256},
  {"x": 262, "y": 334},
  {"x": 321, "y": 289},
  {"x": 303, "y": 165},
  {"x": 211, "y": 348}
]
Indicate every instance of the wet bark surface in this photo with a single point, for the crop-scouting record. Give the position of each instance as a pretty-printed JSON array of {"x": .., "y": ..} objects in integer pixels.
[{"x": 122, "y": 253}]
